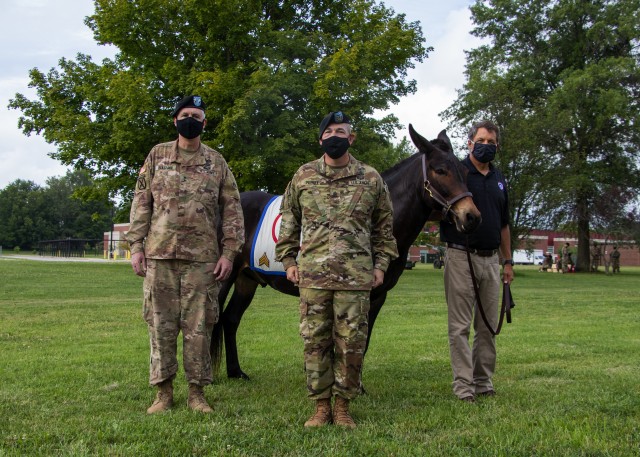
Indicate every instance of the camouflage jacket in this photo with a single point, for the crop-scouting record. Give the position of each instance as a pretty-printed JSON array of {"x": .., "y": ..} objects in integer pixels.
[
  {"x": 341, "y": 222},
  {"x": 178, "y": 206}
]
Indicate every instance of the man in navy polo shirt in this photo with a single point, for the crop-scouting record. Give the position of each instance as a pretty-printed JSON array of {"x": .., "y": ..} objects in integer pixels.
[{"x": 473, "y": 367}]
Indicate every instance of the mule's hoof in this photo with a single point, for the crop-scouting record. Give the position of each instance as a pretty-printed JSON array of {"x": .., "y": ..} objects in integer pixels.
[{"x": 238, "y": 375}]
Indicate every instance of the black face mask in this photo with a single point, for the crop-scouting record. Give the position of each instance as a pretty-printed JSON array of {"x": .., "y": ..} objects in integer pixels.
[
  {"x": 335, "y": 146},
  {"x": 189, "y": 127},
  {"x": 484, "y": 153}
]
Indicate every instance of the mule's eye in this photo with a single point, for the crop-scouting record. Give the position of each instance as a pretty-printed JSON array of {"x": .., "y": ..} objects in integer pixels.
[{"x": 441, "y": 171}]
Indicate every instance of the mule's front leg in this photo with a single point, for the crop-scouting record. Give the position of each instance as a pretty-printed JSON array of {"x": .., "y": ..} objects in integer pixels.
[{"x": 243, "y": 293}]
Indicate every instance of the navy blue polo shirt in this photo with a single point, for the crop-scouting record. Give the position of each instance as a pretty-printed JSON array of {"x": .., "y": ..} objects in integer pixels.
[{"x": 491, "y": 199}]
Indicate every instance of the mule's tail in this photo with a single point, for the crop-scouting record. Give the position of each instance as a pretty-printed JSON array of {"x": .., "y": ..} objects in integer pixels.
[{"x": 216, "y": 347}]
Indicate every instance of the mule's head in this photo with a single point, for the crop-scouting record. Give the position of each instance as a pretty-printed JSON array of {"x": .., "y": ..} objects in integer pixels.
[{"x": 445, "y": 181}]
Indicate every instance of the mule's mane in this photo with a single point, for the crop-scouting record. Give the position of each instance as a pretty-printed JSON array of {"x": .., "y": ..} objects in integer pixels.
[{"x": 392, "y": 171}]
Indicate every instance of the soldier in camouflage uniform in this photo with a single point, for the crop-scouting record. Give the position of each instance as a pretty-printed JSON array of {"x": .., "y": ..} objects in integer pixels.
[
  {"x": 596, "y": 253},
  {"x": 615, "y": 260},
  {"x": 185, "y": 190},
  {"x": 566, "y": 258},
  {"x": 336, "y": 213}
]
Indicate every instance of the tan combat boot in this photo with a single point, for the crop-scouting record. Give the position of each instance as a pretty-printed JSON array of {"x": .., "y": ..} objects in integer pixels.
[
  {"x": 164, "y": 398},
  {"x": 196, "y": 401},
  {"x": 322, "y": 416},
  {"x": 341, "y": 415}
]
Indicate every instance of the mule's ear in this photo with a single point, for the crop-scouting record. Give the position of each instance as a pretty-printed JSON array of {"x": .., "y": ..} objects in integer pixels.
[
  {"x": 443, "y": 137},
  {"x": 421, "y": 143}
]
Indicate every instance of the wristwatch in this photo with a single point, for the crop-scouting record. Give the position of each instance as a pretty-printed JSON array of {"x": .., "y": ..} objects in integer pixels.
[{"x": 507, "y": 261}]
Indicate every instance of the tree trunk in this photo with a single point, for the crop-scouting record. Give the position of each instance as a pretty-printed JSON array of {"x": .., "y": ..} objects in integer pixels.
[{"x": 583, "y": 260}]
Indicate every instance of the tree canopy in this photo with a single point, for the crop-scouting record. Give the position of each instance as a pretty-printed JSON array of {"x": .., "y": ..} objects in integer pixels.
[
  {"x": 30, "y": 213},
  {"x": 562, "y": 80},
  {"x": 268, "y": 71}
]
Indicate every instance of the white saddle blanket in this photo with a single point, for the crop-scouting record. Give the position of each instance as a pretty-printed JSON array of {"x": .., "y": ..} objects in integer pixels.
[{"x": 263, "y": 249}]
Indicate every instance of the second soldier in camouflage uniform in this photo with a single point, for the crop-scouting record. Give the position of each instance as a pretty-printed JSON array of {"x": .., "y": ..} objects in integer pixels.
[
  {"x": 336, "y": 213},
  {"x": 615, "y": 260},
  {"x": 596, "y": 253},
  {"x": 566, "y": 258},
  {"x": 185, "y": 191}
]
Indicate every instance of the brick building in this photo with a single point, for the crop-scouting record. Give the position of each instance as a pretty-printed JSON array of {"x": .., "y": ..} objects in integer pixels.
[
  {"x": 549, "y": 241},
  {"x": 115, "y": 245}
]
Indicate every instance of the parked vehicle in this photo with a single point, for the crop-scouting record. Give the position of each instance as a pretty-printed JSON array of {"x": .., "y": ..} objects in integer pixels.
[{"x": 524, "y": 257}]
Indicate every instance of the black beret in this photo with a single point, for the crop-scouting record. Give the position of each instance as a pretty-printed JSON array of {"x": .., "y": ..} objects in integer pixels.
[
  {"x": 337, "y": 117},
  {"x": 191, "y": 101}
]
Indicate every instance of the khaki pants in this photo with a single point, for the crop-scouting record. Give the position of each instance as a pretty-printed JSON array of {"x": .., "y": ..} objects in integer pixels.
[
  {"x": 180, "y": 295},
  {"x": 333, "y": 326},
  {"x": 472, "y": 367}
]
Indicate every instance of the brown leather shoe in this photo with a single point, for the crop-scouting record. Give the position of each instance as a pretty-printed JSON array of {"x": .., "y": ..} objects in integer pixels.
[
  {"x": 341, "y": 416},
  {"x": 196, "y": 400},
  {"x": 322, "y": 415},
  {"x": 164, "y": 398}
]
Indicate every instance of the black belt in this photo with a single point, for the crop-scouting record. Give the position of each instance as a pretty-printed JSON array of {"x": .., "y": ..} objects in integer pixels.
[{"x": 480, "y": 252}]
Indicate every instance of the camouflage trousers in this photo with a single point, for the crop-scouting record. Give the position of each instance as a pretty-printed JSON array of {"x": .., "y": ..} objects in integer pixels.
[
  {"x": 333, "y": 326},
  {"x": 180, "y": 295},
  {"x": 615, "y": 263}
]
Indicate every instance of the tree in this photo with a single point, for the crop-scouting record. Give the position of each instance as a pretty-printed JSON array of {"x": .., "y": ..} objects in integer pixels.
[
  {"x": 76, "y": 210},
  {"x": 616, "y": 215},
  {"x": 562, "y": 80},
  {"x": 30, "y": 213},
  {"x": 268, "y": 71},
  {"x": 23, "y": 215}
]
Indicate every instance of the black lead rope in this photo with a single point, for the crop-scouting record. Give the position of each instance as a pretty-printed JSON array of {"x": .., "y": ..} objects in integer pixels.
[{"x": 507, "y": 301}]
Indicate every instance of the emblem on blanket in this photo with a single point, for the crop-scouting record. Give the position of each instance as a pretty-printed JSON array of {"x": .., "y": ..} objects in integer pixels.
[{"x": 263, "y": 249}]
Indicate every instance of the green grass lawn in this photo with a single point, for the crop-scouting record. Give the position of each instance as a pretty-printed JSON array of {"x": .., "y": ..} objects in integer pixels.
[{"x": 74, "y": 361}]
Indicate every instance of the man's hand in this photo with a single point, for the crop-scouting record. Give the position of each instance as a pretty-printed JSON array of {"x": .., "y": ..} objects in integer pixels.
[
  {"x": 378, "y": 277},
  {"x": 223, "y": 269},
  {"x": 507, "y": 274},
  {"x": 139, "y": 263},
  {"x": 293, "y": 275}
]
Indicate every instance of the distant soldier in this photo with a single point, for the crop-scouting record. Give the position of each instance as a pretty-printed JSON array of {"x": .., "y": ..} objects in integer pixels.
[
  {"x": 566, "y": 258},
  {"x": 546, "y": 263},
  {"x": 596, "y": 253},
  {"x": 615, "y": 260},
  {"x": 185, "y": 192},
  {"x": 340, "y": 209}
]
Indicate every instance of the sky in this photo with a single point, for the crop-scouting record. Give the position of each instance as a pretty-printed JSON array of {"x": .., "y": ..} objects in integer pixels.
[{"x": 43, "y": 31}]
